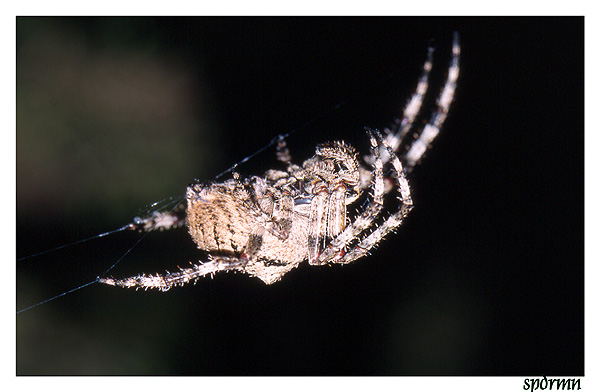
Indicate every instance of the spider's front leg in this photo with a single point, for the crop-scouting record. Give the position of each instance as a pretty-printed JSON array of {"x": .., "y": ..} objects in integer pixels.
[
  {"x": 444, "y": 100},
  {"x": 393, "y": 221},
  {"x": 396, "y": 136}
]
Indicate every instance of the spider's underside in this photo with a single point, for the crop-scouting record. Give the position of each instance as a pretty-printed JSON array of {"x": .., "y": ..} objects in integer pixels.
[{"x": 267, "y": 225}]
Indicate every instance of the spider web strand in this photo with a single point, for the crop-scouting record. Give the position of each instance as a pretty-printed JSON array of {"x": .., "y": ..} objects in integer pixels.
[
  {"x": 126, "y": 227},
  {"x": 58, "y": 296}
]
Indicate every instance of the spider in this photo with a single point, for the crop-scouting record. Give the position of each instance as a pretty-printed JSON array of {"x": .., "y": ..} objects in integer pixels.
[{"x": 267, "y": 225}]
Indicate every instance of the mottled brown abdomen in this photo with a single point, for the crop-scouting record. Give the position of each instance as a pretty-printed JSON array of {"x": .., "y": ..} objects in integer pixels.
[{"x": 217, "y": 220}]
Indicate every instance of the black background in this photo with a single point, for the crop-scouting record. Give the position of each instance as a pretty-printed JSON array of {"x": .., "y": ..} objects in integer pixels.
[{"x": 484, "y": 278}]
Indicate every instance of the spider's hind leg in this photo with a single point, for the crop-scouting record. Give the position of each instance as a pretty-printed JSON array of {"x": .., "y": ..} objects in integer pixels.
[
  {"x": 161, "y": 220},
  {"x": 185, "y": 275}
]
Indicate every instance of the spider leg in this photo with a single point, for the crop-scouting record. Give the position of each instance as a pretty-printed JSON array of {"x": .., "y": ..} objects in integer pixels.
[
  {"x": 164, "y": 220},
  {"x": 185, "y": 275},
  {"x": 318, "y": 226},
  {"x": 336, "y": 210},
  {"x": 395, "y": 136},
  {"x": 336, "y": 247},
  {"x": 282, "y": 151},
  {"x": 444, "y": 100},
  {"x": 402, "y": 126},
  {"x": 392, "y": 222}
]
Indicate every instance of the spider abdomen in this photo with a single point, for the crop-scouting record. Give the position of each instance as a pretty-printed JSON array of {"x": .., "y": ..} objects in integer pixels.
[{"x": 217, "y": 221}]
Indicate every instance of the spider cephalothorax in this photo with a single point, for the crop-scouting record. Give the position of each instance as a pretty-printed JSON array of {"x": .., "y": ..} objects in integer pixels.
[{"x": 267, "y": 225}]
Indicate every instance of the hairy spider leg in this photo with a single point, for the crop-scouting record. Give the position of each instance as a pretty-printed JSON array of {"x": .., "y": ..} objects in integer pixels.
[
  {"x": 403, "y": 125},
  {"x": 411, "y": 110},
  {"x": 393, "y": 221},
  {"x": 160, "y": 220},
  {"x": 444, "y": 100},
  {"x": 184, "y": 276}
]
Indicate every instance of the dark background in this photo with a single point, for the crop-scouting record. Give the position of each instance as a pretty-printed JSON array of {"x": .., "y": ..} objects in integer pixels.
[{"x": 484, "y": 278}]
